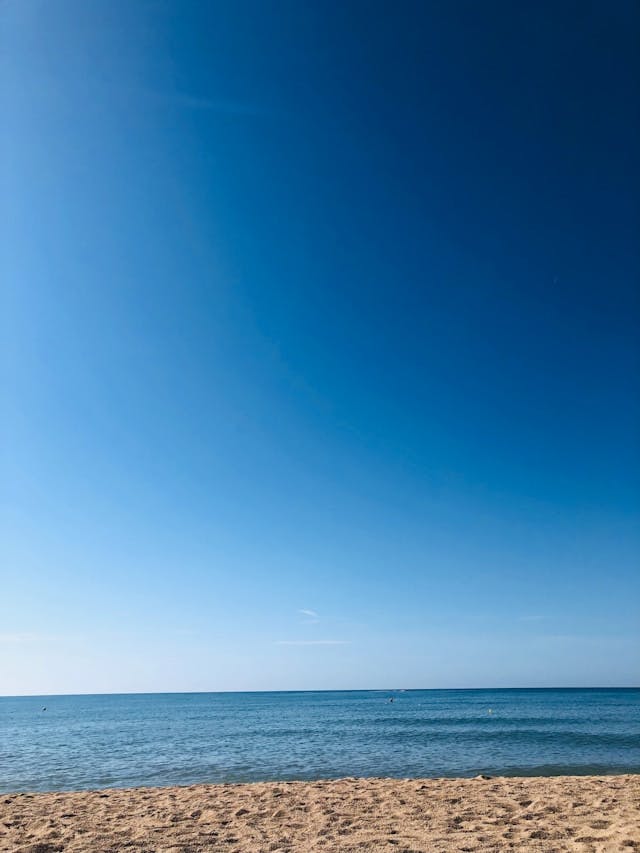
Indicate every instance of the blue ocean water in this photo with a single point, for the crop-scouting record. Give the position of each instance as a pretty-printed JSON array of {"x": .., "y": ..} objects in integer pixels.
[{"x": 176, "y": 739}]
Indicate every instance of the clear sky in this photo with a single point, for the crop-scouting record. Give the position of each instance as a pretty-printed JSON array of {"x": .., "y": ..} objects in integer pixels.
[{"x": 320, "y": 353}]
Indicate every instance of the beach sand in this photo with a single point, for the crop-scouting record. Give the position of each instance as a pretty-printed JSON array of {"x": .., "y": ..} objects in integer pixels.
[{"x": 483, "y": 814}]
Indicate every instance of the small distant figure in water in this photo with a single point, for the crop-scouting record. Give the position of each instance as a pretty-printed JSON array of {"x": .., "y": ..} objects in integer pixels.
[
  {"x": 391, "y": 700},
  {"x": 44, "y": 708}
]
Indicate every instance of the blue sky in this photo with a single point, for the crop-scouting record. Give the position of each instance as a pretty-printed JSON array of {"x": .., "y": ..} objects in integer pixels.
[{"x": 319, "y": 345}]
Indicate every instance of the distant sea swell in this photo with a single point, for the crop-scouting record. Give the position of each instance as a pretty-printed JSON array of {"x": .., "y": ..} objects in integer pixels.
[{"x": 171, "y": 739}]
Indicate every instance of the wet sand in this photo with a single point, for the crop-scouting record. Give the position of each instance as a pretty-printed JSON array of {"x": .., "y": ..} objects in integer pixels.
[{"x": 484, "y": 814}]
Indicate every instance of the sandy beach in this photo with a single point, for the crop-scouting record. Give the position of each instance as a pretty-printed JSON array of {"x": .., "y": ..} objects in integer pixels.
[{"x": 483, "y": 814}]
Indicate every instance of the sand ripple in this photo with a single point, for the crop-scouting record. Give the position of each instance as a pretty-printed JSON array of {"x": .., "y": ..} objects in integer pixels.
[{"x": 404, "y": 816}]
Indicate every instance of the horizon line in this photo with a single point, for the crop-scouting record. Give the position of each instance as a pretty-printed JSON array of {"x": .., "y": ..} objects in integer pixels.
[{"x": 312, "y": 690}]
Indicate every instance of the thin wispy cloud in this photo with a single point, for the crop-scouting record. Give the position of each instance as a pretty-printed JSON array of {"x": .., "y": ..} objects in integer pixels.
[
  {"x": 310, "y": 616},
  {"x": 205, "y": 103},
  {"x": 311, "y": 613},
  {"x": 221, "y": 105},
  {"x": 23, "y": 637},
  {"x": 312, "y": 642}
]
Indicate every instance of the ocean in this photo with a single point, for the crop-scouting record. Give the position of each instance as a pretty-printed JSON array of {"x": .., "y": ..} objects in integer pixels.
[{"x": 84, "y": 742}]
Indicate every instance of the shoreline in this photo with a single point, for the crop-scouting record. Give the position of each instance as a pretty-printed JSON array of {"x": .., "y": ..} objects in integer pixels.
[
  {"x": 323, "y": 780},
  {"x": 552, "y": 813}
]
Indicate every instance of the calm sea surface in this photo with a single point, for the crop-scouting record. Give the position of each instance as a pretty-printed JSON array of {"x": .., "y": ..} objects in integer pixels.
[{"x": 176, "y": 739}]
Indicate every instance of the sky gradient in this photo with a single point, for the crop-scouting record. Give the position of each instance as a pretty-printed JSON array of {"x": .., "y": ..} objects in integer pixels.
[{"x": 320, "y": 353}]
